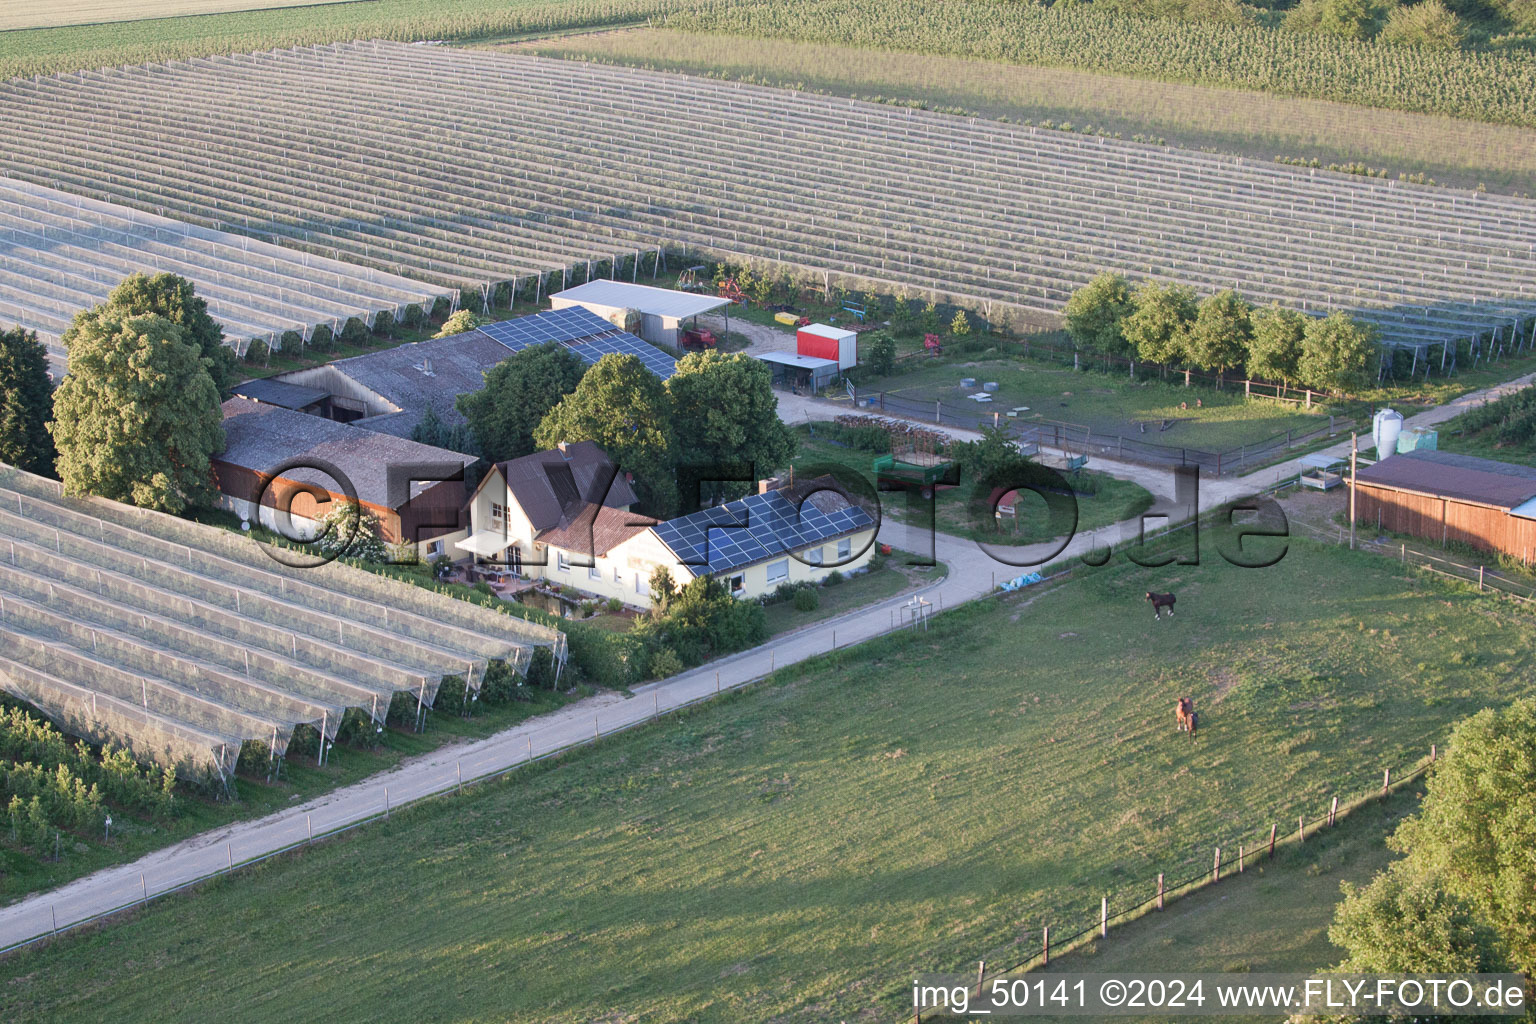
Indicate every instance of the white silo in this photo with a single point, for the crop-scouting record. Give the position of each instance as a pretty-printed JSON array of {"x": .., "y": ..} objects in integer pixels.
[{"x": 1386, "y": 426}]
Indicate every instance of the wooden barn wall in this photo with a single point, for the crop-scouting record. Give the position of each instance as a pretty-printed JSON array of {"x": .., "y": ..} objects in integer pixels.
[
  {"x": 1442, "y": 519},
  {"x": 247, "y": 484}
]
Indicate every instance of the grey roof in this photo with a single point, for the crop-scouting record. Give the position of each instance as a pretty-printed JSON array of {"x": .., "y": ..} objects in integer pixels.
[
  {"x": 457, "y": 366},
  {"x": 262, "y": 438},
  {"x": 554, "y": 488},
  {"x": 795, "y": 359},
  {"x": 1449, "y": 475},
  {"x": 279, "y": 392},
  {"x": 644, "y": 297}
]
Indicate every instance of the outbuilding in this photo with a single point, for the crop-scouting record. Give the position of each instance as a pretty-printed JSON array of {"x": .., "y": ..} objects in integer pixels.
[
  {"x": 1444, "y": 497},
  {"x": 806, "y": 373},
  {"x": 661, "y": 311},
  {"x": 823, "y": 342}
]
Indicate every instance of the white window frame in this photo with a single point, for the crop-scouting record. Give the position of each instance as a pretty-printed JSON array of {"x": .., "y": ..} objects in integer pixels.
[
  {"x": 844, "y": 548},
  {"x": 593, "y": 572},
  {"x": 782, "y": 565},
  {"x": 618, "y": 575},
  {"x": 434, "y": 548},
  {"x": 498, "y": 512},
  {"x": 815, "y": 557},
  {"x": 737, "y": 584},
  {"x": 561, "y": 562}
]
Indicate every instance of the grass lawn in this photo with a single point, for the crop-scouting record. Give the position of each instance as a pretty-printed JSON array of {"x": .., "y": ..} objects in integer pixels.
[
  {"x": 46, "y": 13},
  {"x": 794, "y": 852},
  {"x": 888, "y": 576},
  {"x": 1252, "y": 124}
]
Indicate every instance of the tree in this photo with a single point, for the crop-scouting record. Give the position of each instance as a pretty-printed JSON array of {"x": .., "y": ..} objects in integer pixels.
[
  {"x": 1476, "y": 828},
  {"x": 1335, "y": 353},
  {"x": 624, "y": 408},
  {"x": 1347, "y": 19},
  {"x": 901, "y": 314},
  {"x": 433, "y": 431},
  {"x": 930, "y": 318},
  {"x": 1405, "y": 921},
  {"x": 1159, "y": 326},
  {"x": 725, "y": 407},
  {"x": 137, "y": 417},
  {"x": 1096, "y": 313},
  {"x": 460, "y": 323},
  {"x": 959, "y": 326},
  {"x": 26, "y": 402},
  {"x": 881, "y": 357},
  {"x": 662, "y": 589},
  {"x": 1429, "y": 25},
  {"x": 174, "y": 298},
  {"x": 1275, "y": 351},
  {"x": 348, "y": 530},
  {"x": 518, "y": 392},
  {"x": 1219, "y": 337}
]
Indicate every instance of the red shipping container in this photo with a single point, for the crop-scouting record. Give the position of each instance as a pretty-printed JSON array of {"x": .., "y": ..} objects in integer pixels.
[{"x": 820, "y": 341}]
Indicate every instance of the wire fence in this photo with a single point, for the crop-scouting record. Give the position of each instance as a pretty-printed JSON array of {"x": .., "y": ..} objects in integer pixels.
[
  {"x": 1081, "y": 438},
  {"x": 1251, "y": 848}
]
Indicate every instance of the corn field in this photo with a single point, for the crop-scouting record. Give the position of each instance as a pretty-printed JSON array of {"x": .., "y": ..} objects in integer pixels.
[{"x": 1480, "y": 86}]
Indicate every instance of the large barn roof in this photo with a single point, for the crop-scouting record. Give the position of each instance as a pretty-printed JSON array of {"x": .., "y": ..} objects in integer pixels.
[{"x": 1460, "y": 477}]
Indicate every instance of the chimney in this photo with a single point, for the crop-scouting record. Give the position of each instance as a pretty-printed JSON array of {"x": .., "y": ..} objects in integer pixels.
[
  {"x": 773, "y": 483},
  {"x": 564, "y": 453}
]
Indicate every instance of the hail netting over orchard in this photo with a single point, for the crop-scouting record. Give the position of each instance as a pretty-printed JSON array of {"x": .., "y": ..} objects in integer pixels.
[
  {"x": 64, "y": 253},
  {"x": 475, "y": 168},
  {"x": 182, "y": 641}
]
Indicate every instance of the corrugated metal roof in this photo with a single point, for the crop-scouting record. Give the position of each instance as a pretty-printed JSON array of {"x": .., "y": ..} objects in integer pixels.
[
  {"x": 795, "y": 359},
  {"x": 279, "y": 392},
  {"x": 1449, "y": 475},
  {"x": 262, "y": 437},
  {"x": 644, "y": 297}
]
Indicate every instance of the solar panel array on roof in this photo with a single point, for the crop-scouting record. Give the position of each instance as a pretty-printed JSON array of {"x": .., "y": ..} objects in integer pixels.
[
  {"x": 584, "y": 333},
  {"x": 754, "y": 529},
  {"x": 562, "y": 325}
]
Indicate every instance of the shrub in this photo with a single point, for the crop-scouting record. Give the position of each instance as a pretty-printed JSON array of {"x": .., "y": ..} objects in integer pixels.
[
  {"x": 384, "y": 323},
  {"x": 462, "y": 321},
  {"x": 321, "y": 339},
  {"x": 665, "y": 663},
  {"x": 412, "y": 316},
  {"x": 833, "y": 578},
  {"x": 354, "y": 332},
  {"x": 806, "y": 600},
  {"x": 257, "y": 351},
  {"x": 615, "y": 605}
]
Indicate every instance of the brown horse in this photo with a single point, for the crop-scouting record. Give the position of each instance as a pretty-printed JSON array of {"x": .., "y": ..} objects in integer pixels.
[
  {"x": 1183, "y": 712},
  {"x": 1161, "y": 601},
  {"x": 1194, "y": 722}
]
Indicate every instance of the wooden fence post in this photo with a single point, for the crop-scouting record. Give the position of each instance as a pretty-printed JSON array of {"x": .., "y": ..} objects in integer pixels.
[
  {"x": 1271, "y": 842},
  {"x": 981, "y": 973},
  {"x": 1239, "y": 858},
  {"x": 1431, "y": 753},
  {"x": 1104, "y": 917},
  {"x": 1301, "y": 827},
  {"x": 1216, "y": 867},
  {"x": 1046, "y": 947},
  {"x": 1386, "y": 781},
  {"x": 1159, "y": 890}
]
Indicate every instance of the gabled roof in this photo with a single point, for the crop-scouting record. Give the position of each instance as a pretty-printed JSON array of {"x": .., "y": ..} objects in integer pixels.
[
  {"x": 423, "y": 374},
  {"x": 761, "y": 527},
  {"x": 553, "y": 488},
  {"x": 1449, "y": 475},
  {"x": 596, "y": 536},
  {"x": 262, "y": 437},
  {"x": 643, "y": 297}
]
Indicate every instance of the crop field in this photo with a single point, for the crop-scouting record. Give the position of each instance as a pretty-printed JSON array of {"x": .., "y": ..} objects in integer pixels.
[
  {"x": 53, "y": 13},
  {"x": 65, "y": 253},
  {"x": 794, "y": 852},
  {"x": 1480, "y": 86},
  {"x": 183, "y": 642},
  {"x": 457, "y": 168},
  {"x": 1248, "y": 123}
]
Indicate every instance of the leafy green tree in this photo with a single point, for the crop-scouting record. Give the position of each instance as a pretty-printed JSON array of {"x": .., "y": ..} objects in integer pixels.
[
  {"x": 349, "y": 530},
  {"x": 1405, "y": 921},
  {"x": 1158, "y": 329},
  {"x": 1275, "y": 351},
  {"x": 26, "y": 402},
  {"x": 1336, "y": 353},
  {"x": 624, "y": 408},
  {"x": 1429, "y": 25},
  {"x": 1347, "y": 19},
  {"x": 433, "y": 431},
  {"x": 518, "y": 392},
  {"x": 460, "y": 323},
  {"x": 881, "y": 356},
  {"x": 175, "y": 299},
  {"x": 1221, "y": 333},
  {"x": 662, "y": 589},
  {"x": 930, "y": 318},
  {"x": 725, "y": 407},
  {"x": 1096, "y": 313},
  {"x": 994, "y": 457},
  {"x": 902, "y": 318},
  {"x": 1476, "y": 828},
  {"x": 959, "y": 326},
  {"x": 137, "y": 416}
]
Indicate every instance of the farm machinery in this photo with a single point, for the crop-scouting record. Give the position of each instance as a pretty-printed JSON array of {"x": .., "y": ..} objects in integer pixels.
[
  {"x": 933, "y": 345},
  {"x": 691, "y": 280},
  {"x": 697, "y": 339},
  {"x": 729, "y": 289}
]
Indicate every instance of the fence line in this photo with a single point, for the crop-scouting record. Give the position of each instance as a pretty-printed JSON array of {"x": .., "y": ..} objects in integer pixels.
[{"x": 1161, "y": 891}]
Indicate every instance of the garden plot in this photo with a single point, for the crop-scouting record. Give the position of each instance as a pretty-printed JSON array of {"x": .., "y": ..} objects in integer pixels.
[{"x": 478, "y": 169}]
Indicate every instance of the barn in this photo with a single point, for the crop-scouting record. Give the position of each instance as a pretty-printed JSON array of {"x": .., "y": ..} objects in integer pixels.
[{"x": 1444, "y": 497}]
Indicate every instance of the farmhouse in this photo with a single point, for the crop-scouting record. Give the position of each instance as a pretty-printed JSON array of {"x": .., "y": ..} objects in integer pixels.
[
  {"x": 660, "y": 311},
  {"x": 290, "y": 461},
  {"x": 1443, "y": 497},
  {"x": 391, "y": 390},
  {"x": 563, "y": 515}
]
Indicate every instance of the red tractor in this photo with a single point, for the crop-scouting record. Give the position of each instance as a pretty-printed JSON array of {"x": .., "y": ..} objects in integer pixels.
[
  {"x": 698, "y": 339},
  {"x": 932, "y": 343}
]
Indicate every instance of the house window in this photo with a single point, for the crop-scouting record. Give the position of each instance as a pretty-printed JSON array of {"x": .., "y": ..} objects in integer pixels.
[
  {"x": 813, "y": 556},
  {"x": 641, "y": 587},
  {"x": 498, "y": 512},
  {"x": 778, "y": 570},
  {"x": 434, "y": 549},
  {"x": 844, "y": 548},
  {"x": 594, "y": 573},
  {"x": 618, "y": 575},
  {"x": 738, "y": 584},
  {"x": 561, "y": 563}
]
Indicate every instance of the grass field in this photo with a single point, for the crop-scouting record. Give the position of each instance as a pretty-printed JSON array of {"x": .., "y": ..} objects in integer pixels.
[
  {"x": 1254, "y": 124},
  {"x": 1110, "y": 404},
  {"x": 794, "y": 852},
  {"x": 888, "y": 576},
  {"x": 1113, "y": 501},
  {"x": 53, "y": 13}
]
